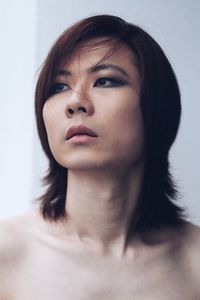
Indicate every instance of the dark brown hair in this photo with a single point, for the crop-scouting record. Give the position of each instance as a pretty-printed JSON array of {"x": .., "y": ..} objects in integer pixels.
[{"x": 161, "y": 111}]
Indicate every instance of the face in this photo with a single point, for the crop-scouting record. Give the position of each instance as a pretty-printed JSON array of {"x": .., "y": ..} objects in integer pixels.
[{"x": 103, "y": 95}]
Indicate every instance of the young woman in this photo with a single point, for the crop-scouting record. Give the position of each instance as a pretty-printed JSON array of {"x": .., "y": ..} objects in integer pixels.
[{"x": 108, "y": 110}]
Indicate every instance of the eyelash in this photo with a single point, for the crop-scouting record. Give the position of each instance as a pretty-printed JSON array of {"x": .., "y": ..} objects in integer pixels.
[{"x": 113, "y": 82}]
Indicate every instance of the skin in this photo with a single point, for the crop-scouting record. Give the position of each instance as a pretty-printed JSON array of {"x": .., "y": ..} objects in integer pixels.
[
  {"x": 109, "y": 180},
  {"x": 87, "y": 255}
]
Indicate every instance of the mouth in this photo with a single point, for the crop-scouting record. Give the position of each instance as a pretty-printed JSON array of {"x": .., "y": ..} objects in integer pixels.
[
  {"x": 80, "y": 132},
  {"x": 81, "y": 138}
]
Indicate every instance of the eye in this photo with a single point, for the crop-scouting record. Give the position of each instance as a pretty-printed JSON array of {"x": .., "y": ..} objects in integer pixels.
[
  {"x": 108, "y": 82},
  {"x": 59, "y": 87}
]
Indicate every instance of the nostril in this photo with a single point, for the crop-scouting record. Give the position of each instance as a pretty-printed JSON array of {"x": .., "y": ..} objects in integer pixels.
[
  {"x": 82, "y": 109},
  {"x": 70, "y": 111}
]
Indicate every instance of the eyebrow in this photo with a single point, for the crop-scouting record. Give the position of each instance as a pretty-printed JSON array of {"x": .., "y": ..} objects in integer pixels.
[
  {"x": 108, "y": 66},
  {"x": 97, "y": 68}
]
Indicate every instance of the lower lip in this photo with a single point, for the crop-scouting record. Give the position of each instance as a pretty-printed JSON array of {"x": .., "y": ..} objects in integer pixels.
[{"x": 77, "y": 139}]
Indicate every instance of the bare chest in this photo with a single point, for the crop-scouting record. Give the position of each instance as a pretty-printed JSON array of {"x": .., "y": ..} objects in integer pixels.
[{"x": 47, "y": 275}]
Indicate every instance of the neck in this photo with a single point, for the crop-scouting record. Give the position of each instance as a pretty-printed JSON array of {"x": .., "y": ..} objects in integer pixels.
[{"x": 99, "y": 206}]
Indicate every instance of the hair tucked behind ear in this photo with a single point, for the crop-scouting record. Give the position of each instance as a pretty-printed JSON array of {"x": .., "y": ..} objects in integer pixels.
[{"x": 161, "y": 111}]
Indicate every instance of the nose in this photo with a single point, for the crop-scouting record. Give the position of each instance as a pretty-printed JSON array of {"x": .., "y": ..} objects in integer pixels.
[{"x": 79, "y": 103}]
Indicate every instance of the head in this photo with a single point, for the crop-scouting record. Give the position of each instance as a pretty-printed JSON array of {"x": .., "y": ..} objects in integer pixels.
[{"x": 152, "y": 103}]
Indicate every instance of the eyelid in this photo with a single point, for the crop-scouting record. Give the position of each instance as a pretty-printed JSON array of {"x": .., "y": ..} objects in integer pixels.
[
  {"x": 55, "y": 84},
  {"x": 113, "y": 80}
]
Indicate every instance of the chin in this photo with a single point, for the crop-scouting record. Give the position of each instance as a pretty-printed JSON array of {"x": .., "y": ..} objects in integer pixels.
[
  {"x": 88, "y": 161},
  {"x": 89, "y": 165},
  {"x": 86, "y": 164},
  {"x": 81, "y": 164}
]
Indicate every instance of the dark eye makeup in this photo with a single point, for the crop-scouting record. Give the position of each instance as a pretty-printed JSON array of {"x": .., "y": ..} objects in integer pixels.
[
  {"x": 102, "y": 82},
  {"x": 109, "y": 82},
  {"x": 59, "y": 87}
]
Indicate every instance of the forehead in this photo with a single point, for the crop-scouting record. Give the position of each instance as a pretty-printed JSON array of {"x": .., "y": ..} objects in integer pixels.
[{"x": 98, "y": 51}]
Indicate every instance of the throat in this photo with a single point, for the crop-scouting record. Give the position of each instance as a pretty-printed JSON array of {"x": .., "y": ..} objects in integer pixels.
[{"x": 99, "y": 208}]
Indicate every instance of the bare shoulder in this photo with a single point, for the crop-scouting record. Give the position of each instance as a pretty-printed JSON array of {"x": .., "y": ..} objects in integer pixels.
[
  {"x": 191, "y": 253},
  {"x": 9, "y": 238},
  {"x": 13, "y": 234},
  {"x": 13, "y": 247},
  {"x": 191, "y": 241}
]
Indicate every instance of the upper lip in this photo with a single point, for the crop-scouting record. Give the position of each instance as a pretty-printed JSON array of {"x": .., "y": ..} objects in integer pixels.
[{"x": 75, "y": 130}]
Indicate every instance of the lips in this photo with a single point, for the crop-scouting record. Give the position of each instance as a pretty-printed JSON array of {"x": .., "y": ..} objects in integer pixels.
[{"x": 79, "y": 130}]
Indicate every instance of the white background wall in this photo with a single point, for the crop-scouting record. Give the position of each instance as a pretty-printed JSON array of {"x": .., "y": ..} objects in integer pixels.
[
  {"x": 175, "y": 24},
  {"x": 17, "y": 72}
]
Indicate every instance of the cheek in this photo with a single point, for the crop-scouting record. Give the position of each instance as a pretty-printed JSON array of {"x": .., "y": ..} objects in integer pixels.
[
  {"x": 127, "y": 132},
  {"x": 49, "y": 118},
  {"x": 50, "y": 112},
  {"x": 53, "y": 124},
  {"x": 129, "y": 127},
  {"x": 125, "y": 116}
]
